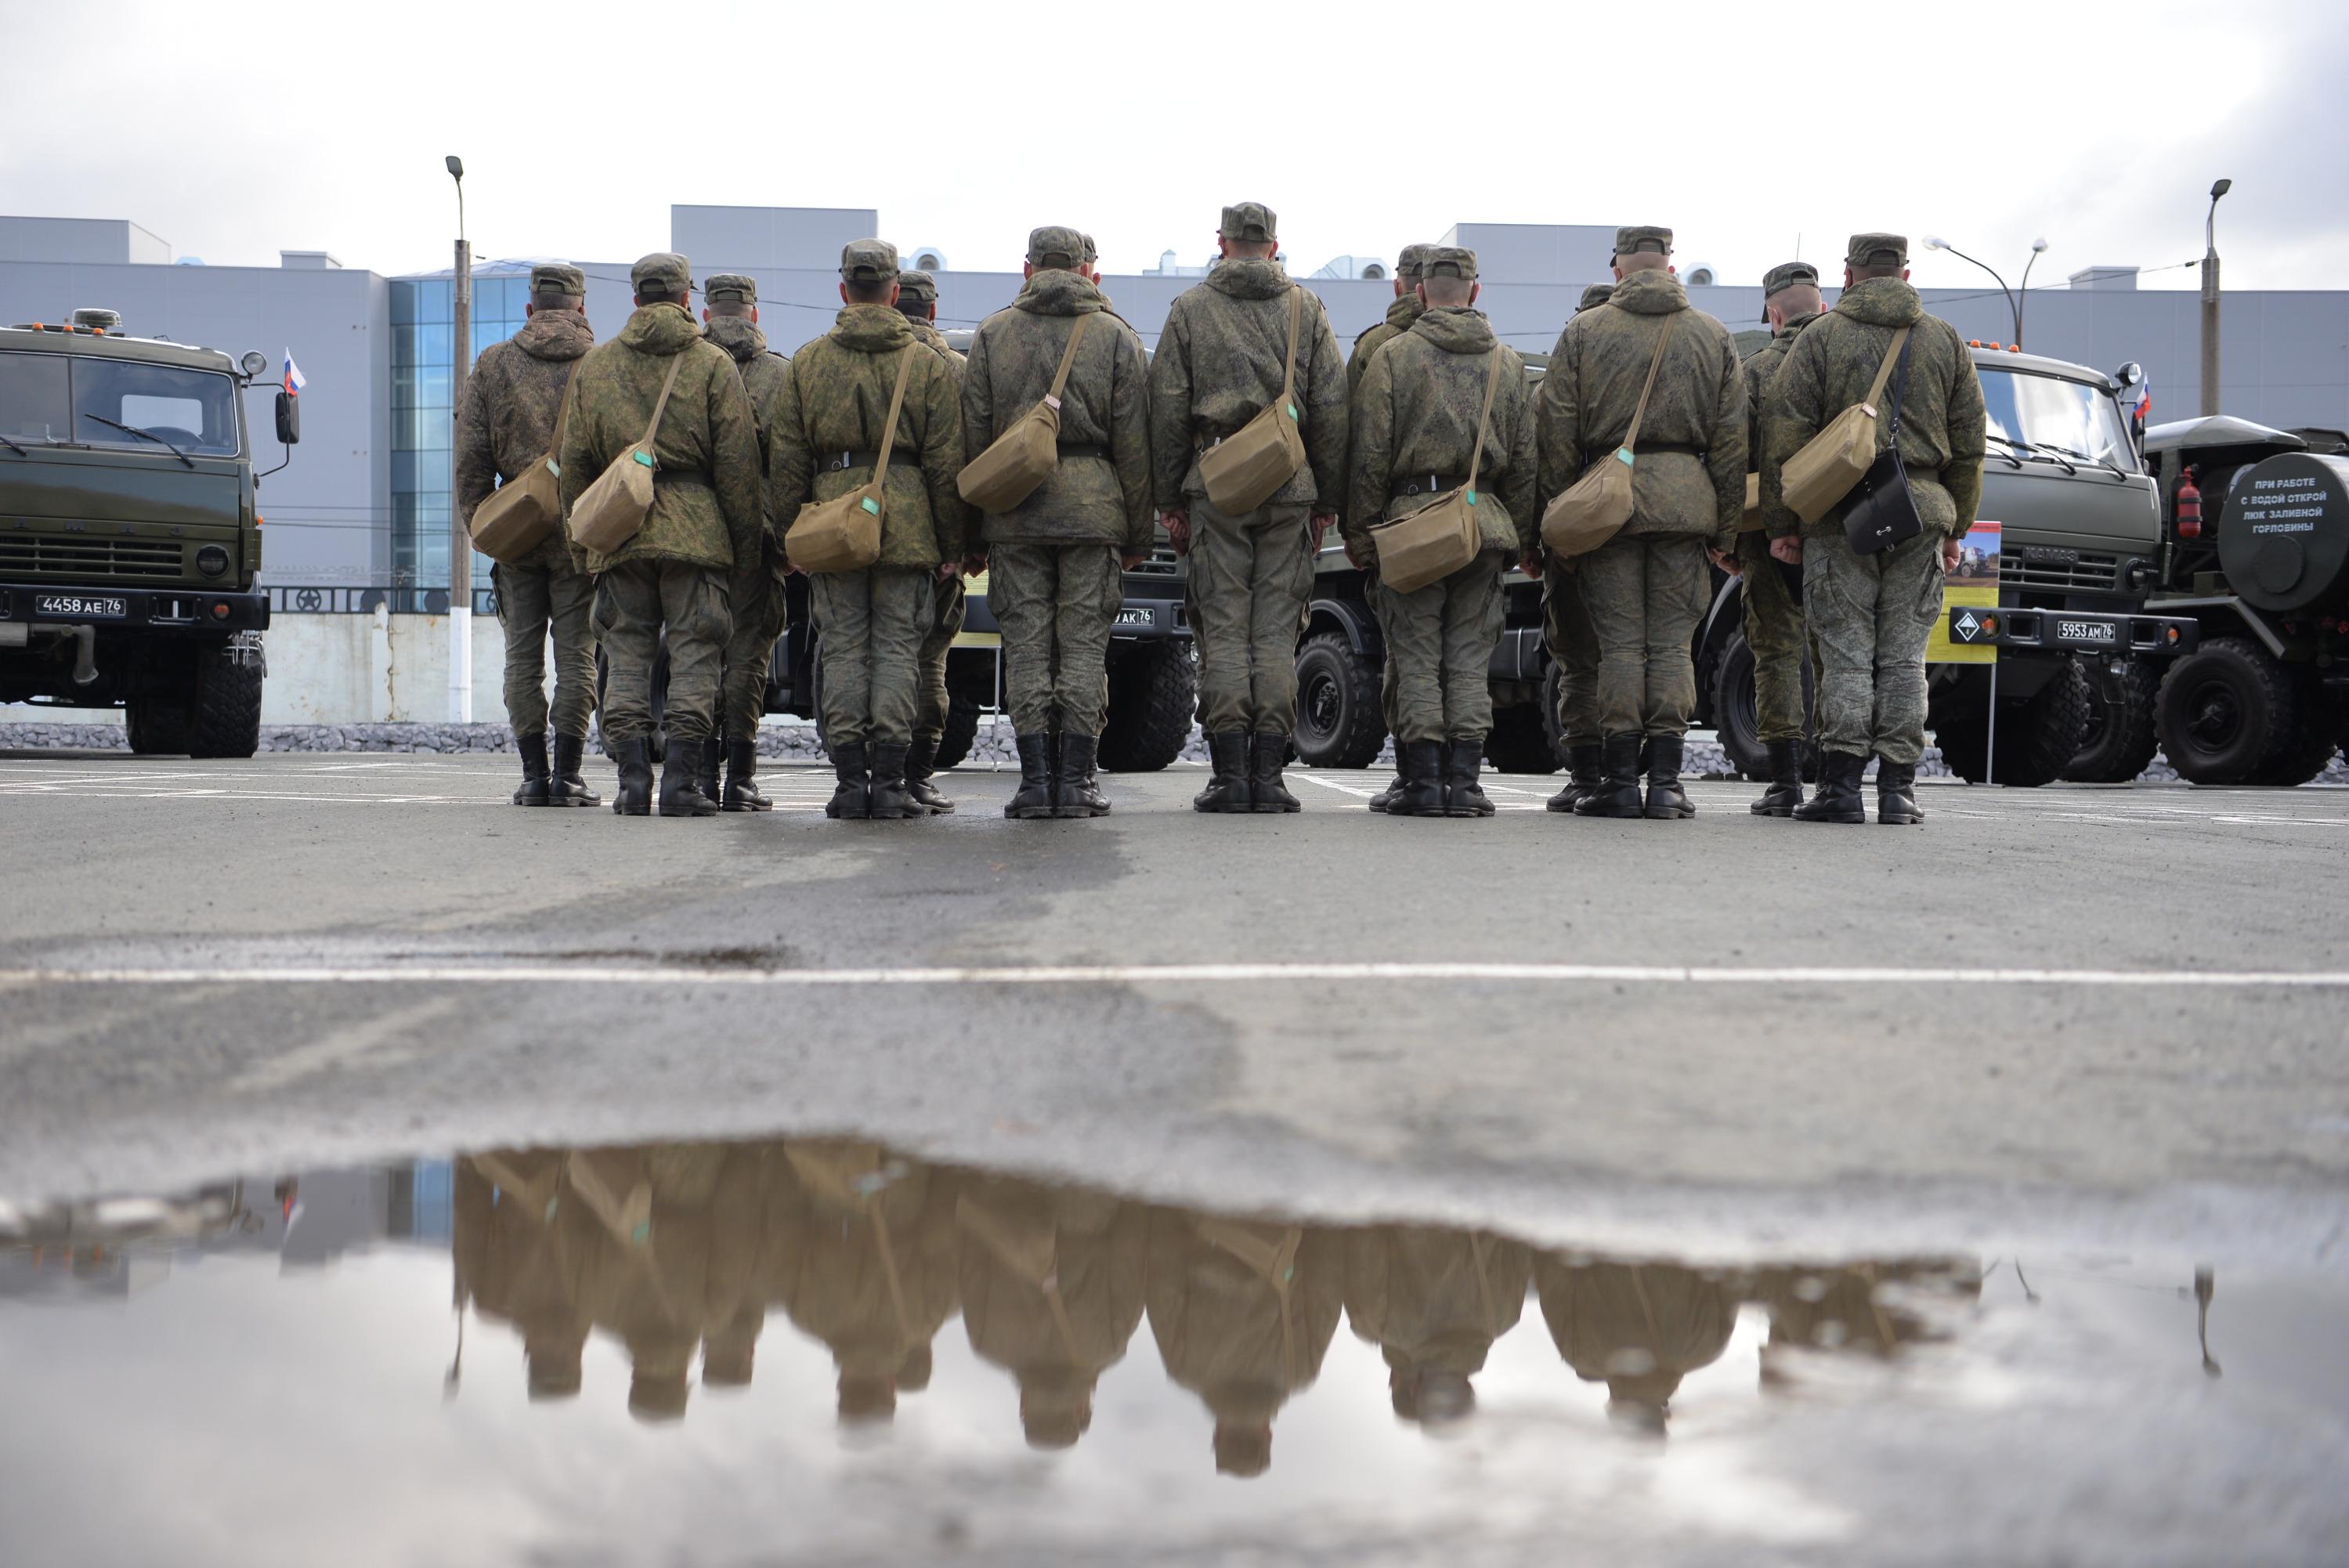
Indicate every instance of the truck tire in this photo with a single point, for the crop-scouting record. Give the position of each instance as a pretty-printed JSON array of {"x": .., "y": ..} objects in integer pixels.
[
  {"x": 2037, "y": 739},
  {"x": 1154, "y": 690},
  {"x": 2314, "y": 739},
  {"x": 1520, "y": 742},
  {"x": 224, "y": 720},
  {"x": 2123, "y": 736},
  {"x": 1736, "y": 718},
  {"x": 158, "y": 726},
  {"x": 1339, "y": 721},
  {"x": 2226, "y": 712}
]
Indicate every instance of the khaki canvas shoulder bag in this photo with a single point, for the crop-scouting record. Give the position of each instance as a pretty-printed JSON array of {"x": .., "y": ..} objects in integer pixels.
[
  {"x": 1430, "y": 544},
  {"x": 1024, "y": 456},
  {"x": 843, "y": 534},
  {"x": 1832, "y": 462},
  {"x": 1594, "y": 509},
  {"x": 517, "y": 518},
  {"x": 1244, "y": 469},
  {"x": 613, "y": 510}
]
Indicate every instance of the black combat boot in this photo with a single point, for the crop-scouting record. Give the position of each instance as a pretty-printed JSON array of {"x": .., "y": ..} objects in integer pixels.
[
  {"x": 534, "y": 791},
  {"x": 1785, "y": 792},
  {"x": 1075, "y": 791},
  {"x": 680, "y": 784},
  {"x": 1266, "y": 793},
  {"x": 741, "y": 768},
  {"x": 1582, "y": 777},
  {"x": 1618, "y": 792},
  {"x": 705, "y": 778},
  {"x": 1837, "y": 798},
  {"x": 1462, "y": 796},
  {"x": 889, "y": 798},
  {"x": 1667, "y": 801},
  {"x": 1032, "y": 801},
  {"x": 853, "y": 800},
  {"x": 1419, "y": 779},
  {"x": 1895, "y": 793},
  {"x": 634, "y": 798},
  {"x": 564, "y": 785},
  {"x": 1228, "y": 786},
  {"x": 921, "y": 763},
  {"x": 1385, "y": 798}
]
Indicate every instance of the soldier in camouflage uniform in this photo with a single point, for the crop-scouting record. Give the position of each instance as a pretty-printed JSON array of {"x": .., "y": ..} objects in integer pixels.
[
  {"x": 730, "y": 317},
  {"x": 1648, "y": 586},
  {"x": 1415, "y": 433},
  {"x": 918, "y": 301},
  {"x": 1771, "y": 590},
  {"x": 1573, "y": 646},
  {"x": 1405, "y": 310},
  {"x": 835, "y": 408},
  {"x": 706, "y": 520},
  {"x": 1218, "y": 365},
  {"x": 1872, "y": 614},
  {"x": 1639, "y": 1329},
  {"x": 1433, "y": 1299},
  {"x": 1054, "y": 560},
  {"x": 506, "y": 423}
]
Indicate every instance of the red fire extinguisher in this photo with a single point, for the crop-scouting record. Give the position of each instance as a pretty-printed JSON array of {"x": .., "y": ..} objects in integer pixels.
[{"x": 2189, "y": 508}]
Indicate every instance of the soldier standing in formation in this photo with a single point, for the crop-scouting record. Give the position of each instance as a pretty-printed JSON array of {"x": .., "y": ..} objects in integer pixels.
[
  {"x": 730, "y": 315},
  {"x": 1419, "y": 421},
  {"x": 1772, "y": 604},
  {"x": 918, "y": 301},
  {"x": 1647, "y": 587},
  {"x": 1405, "y": 310},
  {"x": 513, "y": 401},
  {"x": 704, "y": 525},
  {"x": 836, "y": 409},
  {"x": 1054, "y": 561},
  {"x": 1873, "y": 613},
  {"x": 1219, "y": 363},
  {"x": 1573, "y": 646}
]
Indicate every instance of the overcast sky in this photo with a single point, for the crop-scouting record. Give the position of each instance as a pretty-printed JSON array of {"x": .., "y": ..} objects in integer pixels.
[{"x": 240, "y": 127}]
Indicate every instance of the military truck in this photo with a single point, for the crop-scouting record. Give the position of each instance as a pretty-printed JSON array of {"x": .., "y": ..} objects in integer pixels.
[
  {"x": 2255, "y": 548},
  {"x": 2081, "y": 534},
  {"x": 129, "y": 538}
]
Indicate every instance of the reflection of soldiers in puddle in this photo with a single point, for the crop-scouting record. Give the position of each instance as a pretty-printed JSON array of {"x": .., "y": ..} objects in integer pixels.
[
  {"x": 1052, "y": 1291},
  {"x": 1639, "y": 1329},
  {"x": 1433, "y": 1301},
  {"x": 520, "y": 1255},
  {"x": 1845, "y": 1307},
  {"x": 649, "y": 1281},
  {"x": 1243, "y": 1311}
]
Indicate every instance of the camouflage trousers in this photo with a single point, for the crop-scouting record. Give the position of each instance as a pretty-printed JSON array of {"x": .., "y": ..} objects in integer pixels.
[
  {"x": 760, "y": 613},
  {"x": 1645, "y": 595},
  {"x": 1573, "y": 645},
  {"x": 874, "y": 622},
  {"x": 1055, "y": 603},
  {"x": 1773, "y": 630},
  {"x": 930, "y": 706},
  {"x": 1871, "y": 616},
  {"x": 1440, "y": 639},
  {"x": 1249, "y": 579},
  {"x": 533, "y": 601},
  {"x": 634, "y": 601}
]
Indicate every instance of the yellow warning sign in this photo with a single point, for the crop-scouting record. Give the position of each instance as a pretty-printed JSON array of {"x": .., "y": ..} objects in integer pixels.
[{"x": 1966, "y": 632}]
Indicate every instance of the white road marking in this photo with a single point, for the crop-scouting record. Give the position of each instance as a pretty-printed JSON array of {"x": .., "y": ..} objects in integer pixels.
[{"x": 1333, "y": 784}]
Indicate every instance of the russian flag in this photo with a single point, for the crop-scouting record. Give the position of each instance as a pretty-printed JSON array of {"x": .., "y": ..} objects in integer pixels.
[{"x": 294, "y": 378}]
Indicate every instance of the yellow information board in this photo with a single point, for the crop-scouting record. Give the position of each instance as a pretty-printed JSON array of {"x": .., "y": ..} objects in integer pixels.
[{"x": 1972, "y": 587}]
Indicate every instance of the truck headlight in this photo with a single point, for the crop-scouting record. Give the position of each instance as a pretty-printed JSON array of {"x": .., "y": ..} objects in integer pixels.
[{"x": 211, "y": 561}]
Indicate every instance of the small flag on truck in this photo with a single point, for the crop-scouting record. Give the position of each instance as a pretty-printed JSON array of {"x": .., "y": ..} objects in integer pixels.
[{"x": 294, "y": 378}]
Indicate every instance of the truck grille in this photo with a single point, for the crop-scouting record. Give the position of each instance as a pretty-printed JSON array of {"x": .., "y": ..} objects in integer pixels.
[
  {"x": 44, "y": 555},
  {"x": 1162, "y": 563},
  {"x": 2090, "y": 574}
]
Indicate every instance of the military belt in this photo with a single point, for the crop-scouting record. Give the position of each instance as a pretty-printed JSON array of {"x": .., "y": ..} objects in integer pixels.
[
  {"x": 1424, "y": 484},
  {"x": 836, "y": 462},
  {"x": 1083, "y": 449},
  {"x": 1649, "y": 449}
]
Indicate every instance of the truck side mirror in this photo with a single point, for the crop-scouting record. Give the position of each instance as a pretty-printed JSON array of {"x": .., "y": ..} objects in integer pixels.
[{"x": 289, "y": 419}]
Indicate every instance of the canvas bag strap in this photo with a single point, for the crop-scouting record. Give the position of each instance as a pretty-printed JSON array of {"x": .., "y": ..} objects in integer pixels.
[
  {"x": 1900, "y": 391},
  {"x": 1884, "y": 371},
  {"x": 676, "y": 364},
  {"x": 1632, "y": 436},
  {"x": 1068, "y": 357},
  {"x": 897, "y": 400},
  {"x": 1295, "y": 321},
  {"x": 1492, "y": 385}
]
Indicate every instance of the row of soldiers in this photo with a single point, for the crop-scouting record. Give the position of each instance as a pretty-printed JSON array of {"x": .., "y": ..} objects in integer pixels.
[{"x": 674, "y": 1250}]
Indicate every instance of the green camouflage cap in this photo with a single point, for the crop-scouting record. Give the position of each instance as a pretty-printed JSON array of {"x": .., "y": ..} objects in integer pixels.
[
  {"x": 730, "y": 288},
  {"x": 1785, "y": 275},
  {"x": 1877, "y": 251},
  {"x": 1595, "y": 295},
  {"x": 1092, "y": 252},
  {"x": 868, "y": 261},
  {"x": 1635, "y": 237},
  {"x": 918, "y": 288},
  {"x": 554, "y": 278},
  {"x": 1250, "y": 221},
  {"x": 1055, "y": 246},
  {"x": 664, "y": 275},
  {"x": 1408, "y": 263},
  {"x": 1447, "y": 261}
]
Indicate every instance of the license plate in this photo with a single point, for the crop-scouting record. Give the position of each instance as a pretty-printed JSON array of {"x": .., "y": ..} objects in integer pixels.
[
  {"x": 2087, "y": 634},
  {"x": 1141, "y": 616},
  {"x": 78, "y": 606}
]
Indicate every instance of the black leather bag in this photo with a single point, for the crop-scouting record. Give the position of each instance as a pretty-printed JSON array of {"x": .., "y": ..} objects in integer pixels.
[{"x": 1880, "y": 511}]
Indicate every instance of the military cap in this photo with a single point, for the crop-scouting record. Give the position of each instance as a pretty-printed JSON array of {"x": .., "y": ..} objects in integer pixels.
[
  {"x": 1250, "y": 221},
  {"x": 1630, "y": 239},
  {"x": 1785, "y": 275},
  {"x": 1877, "y": 251},
  {"x": 869, "y": 261},
  {"x": 919, "y": 287},
  {"x": 1448, "y": 262},
  {"x": 1408, "y": 263},
  {"x": 664, "y": 275},
  {"x": 1055, "y": 246},
  {"x": 1092, "y": 252},
  {"x": 730, "y": 288},
  {"x": 554, "y": 278},
  {"x": 1596, "y": 294}
]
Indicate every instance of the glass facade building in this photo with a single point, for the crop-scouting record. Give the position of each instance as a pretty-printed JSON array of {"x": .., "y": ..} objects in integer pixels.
[{"x": 423, "y": 411}]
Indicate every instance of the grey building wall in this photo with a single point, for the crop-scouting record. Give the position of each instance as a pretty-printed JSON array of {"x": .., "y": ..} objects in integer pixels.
[
  {"x": 79, "y": 240},
  {"x": 766, "y": 236}
]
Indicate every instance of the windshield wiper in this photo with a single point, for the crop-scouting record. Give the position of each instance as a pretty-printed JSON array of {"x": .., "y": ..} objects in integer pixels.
[
  {"x": 15, "y": 448},
  {"x": 2105, "y": 463},
  {"x": 135, "y": 430},
  {"x": 2016, "y": 445}
]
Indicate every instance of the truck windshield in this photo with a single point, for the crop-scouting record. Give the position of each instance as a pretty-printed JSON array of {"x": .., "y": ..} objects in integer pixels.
[
  {"x": 2049, "y": 414},
  {"x": 33, "y": 398},
  {"x": 54, "y": 399}
]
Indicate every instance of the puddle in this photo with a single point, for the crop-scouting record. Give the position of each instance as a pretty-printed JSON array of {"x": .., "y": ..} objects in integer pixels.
[{"x": 822, "y": 1350}]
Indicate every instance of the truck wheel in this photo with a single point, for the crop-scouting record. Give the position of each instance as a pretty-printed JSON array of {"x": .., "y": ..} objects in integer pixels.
[
  {"x": 1520, "y": 742},
  {"x": 1153, "y": 691},
  {"x": 2122, "y": 737},
  {"x": 224, "y": 720},
  {"x": 2036, "y": 739},
  {"x": 1339, "y": 722},
  {"x": 2225, "y": 712},
  {"x": 2312, "y": 740},
  {"x": 158, "y": 726},
  {"x": 1736, "y": 717}
]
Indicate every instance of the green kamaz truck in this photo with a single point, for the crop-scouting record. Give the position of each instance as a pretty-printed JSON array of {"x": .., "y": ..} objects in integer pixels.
[{"x": 129, "y": 541}]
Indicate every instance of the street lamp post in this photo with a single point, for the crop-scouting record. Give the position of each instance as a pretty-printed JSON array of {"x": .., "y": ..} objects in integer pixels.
[
  {"x": 460, "y": 543},
  {"x": 2022, "y": 290},
  {"x": 2013, "y": 309},
  {"x": 2210, "y": 299}
]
